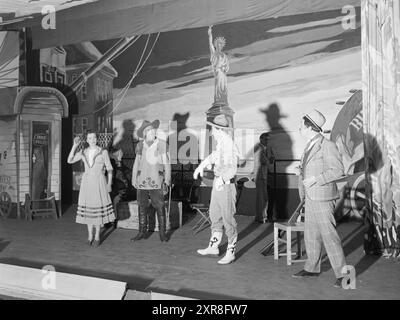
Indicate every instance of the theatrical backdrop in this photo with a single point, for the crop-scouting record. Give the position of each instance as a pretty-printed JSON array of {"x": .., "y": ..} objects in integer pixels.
[
  {"x": 277, "y": 69},
  {"x": 381, "y": 51}
]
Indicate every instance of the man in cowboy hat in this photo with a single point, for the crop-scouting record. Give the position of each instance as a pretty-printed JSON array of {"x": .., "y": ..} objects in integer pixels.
[
  {"x": 150, "y": 171},
  {"x": 223, "y": 194},
  {"x": 321, "y": 165}
]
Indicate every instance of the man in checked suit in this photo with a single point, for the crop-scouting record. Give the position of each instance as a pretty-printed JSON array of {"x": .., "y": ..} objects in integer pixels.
[{"x": 320, "y": 167}]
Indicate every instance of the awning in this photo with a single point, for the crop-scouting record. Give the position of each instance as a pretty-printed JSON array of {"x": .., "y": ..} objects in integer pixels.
[{"x": 105, "y": 19}]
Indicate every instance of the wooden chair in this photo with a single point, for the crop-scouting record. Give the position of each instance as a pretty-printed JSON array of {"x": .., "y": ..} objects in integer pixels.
[
  {"x": 295, "y": 224},
  {"x": 40, "y": 207}
]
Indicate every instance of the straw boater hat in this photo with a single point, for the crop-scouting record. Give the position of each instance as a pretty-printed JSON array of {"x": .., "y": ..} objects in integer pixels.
[
  {"x": 155, "y": 124},
  {"x": 220, "y": 122},
  {"x": 316, "y": 118}
]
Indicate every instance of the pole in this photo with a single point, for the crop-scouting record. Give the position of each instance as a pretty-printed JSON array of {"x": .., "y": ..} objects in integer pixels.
[
  {"x": 17, "y": 154},
  {"x": 100, "y": 63}
]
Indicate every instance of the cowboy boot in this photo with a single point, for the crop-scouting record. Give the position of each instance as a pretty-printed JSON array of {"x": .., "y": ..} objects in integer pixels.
[
  {"x": 142, "y": 225},
  {"x": 162, "y": 224},
  {"x": 230, "y": 253},
  {"x": 212, "y": 248}
]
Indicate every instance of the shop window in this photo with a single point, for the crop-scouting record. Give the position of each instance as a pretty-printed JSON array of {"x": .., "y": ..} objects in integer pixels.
[
  {"x": 47, "y": 75},
  {"x": 98, "y": 87},
  {"x": 77, "y": 125},
  {"x": 103, "y": 90},
  {"x": 84, "y": 92},
  {"x": 84, "y": 124},
  {"x": 74, "y": 77},
  {"x": 105, "y": 124},
  {"x": 60, "y": 78},
  {"x": 108, "y": 124}
]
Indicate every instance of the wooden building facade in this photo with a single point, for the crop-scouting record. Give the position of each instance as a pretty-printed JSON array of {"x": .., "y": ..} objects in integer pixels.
[{"x": 31, "y": 139}]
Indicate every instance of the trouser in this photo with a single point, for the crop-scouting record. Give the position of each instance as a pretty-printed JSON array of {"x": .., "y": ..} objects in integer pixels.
[
  {"x": 222, "y": 210},
  {"x": 320, "y": 228},
  {"x": 261, "y": 199},
  {"x": 157, "y": 201}
]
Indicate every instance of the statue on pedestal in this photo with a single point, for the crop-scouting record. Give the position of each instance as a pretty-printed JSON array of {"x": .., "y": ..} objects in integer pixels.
[{"x": 220, "y": 64}]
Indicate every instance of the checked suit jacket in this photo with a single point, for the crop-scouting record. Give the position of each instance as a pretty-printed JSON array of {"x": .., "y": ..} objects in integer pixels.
[{"x": 324, "y": 162}]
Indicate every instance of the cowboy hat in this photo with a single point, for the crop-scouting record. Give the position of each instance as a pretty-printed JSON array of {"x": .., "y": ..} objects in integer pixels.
[
  {"x": 273, "y": 112},
  {"x": 155, "y": 124}
]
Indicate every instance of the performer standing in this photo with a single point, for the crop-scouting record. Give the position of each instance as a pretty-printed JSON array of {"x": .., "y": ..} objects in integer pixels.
[
  {"x": 265, "y": 159},
  {"x": 321, "y": 166},
  {"x": 220, "y": 65},
  {"x": 150, "y": 172},
  {"x": 94, "y": 205},
  {"x": 223, "y": 194}
]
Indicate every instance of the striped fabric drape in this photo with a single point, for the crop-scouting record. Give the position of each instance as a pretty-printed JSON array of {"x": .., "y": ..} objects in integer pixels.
[{"x": 381, "y": 108}]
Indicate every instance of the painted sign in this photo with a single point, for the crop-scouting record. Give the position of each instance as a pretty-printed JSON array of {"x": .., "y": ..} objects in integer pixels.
[
  {"x": 5, "y": 183},
  {"x": 40, "y": 139},
  {"x": 347, "y": 133},
  {"x": 7, "y": 159}
]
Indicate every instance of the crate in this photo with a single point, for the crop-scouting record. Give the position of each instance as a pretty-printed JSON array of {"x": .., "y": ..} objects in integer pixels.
[{"x": 128, "y": 216}]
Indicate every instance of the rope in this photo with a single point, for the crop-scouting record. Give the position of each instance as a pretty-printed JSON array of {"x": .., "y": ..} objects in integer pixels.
[
  {"x": 128, "y": 45},
  {"x": 85, "y": 77},
  {"x": 138, "y": 69},
  {"x": 126, "y": 87}
]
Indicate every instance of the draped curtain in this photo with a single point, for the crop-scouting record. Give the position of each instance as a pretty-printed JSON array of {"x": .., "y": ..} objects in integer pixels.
[{"x": 381, "y": 108}]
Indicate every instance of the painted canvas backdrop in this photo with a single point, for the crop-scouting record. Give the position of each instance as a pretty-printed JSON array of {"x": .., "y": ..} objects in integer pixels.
[
  {"x": 280, "y": 69},
  {"x": 381, "y": 84},
  {"x": 10, "y": 69}
]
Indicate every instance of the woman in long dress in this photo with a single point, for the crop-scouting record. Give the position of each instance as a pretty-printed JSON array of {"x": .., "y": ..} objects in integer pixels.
[
  {"x": 94, "y": 205},
  {"x": 220, "y": 64}
]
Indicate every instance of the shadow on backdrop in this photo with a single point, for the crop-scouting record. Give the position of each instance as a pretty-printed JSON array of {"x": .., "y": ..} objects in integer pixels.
[
  {"x": 280, "y": 193},
  {"x": 122, "y": 156}
]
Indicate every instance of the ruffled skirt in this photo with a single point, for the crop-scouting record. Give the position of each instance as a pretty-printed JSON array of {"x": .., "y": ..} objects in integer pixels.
[{"x": 94, "y": 204}]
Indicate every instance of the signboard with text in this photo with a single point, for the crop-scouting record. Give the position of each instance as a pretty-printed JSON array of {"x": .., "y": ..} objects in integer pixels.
[{"x": 8, "y": 169}]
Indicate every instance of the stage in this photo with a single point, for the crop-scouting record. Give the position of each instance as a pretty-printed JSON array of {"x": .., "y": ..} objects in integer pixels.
[{"x": 174, "y": 267}]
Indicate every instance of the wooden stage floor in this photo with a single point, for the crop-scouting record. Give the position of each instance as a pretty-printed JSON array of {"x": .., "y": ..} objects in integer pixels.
[{"x": 175, "y": 268}]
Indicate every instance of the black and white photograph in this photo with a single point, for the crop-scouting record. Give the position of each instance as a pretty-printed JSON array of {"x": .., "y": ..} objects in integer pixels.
[{"x": 178, "y": 151}]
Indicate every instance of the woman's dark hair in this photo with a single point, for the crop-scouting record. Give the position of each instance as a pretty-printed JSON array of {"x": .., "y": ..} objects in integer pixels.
[
  {"x": 309, "y": 124},
  {"x": 85, "y": 135},
  {"x": 89, "y": 131}
]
